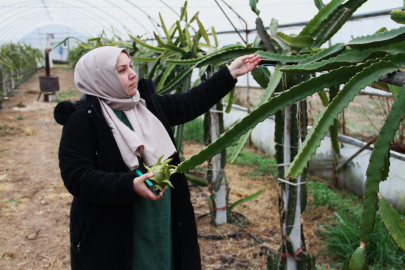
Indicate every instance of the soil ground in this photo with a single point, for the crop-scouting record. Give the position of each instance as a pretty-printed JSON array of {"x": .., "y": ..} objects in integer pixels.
[{"x": 34, "y": 204}]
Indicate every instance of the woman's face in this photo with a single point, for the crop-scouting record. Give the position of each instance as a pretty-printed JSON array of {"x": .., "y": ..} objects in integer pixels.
[{"x": 127, "y": 73}]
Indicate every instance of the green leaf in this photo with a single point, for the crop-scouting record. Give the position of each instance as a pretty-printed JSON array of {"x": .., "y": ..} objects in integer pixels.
[
  {"x": 195, "y": 180},
  {"x": 282, "y": 58},
  {"x": 325, "y": 53},
  {"x": 145, "y": 60},
  {"x": 261, "y": 76},
  {"x": 377, "y": 40},
  {"x": 378, "y": 163},
  {"x": 171, "y": 47},
  {"x": 349, "y": 58},
  {"x": 169, "y": 41},
  {"x": 392, "y": 221},
  {"x": 398, "y": 16},
  {"x": 214, "y": 35},
  {"x": 181, "y": 35},
  {"x": 274, "y": 105},
  {"x": 217, "y": 181},
  {"x": 152, "y": 71},
  {"x": 318, "y": 4},
  {"x": 261, "y": 31},
  {"x": 202, "y": 30},
  {"x": 323, "y": 97},
  {"x": 358, "y": 259},
  {"x": 168, "y": 70},
  {"x": 246, "y": 199},
  {"x": 341, "y": 101},
  {"x": 230, "y": 100},
  {"x": 273, "y": 26},
  {"x": 253, "y": 4},
  {"x": 298, "y": 41},
  {"x": 225, "y": 54},
  {"x": 314, "y": 23},
  {"x": 148, "y": 46},
  {"x": 176, "y": 81}
]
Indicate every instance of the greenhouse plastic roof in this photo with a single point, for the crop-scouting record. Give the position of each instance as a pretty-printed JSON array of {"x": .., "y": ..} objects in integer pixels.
[{"x": 91, "y": 17}]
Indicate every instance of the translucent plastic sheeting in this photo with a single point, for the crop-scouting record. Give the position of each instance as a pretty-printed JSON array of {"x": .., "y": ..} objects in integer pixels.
[{"x": 90, "y": 17}]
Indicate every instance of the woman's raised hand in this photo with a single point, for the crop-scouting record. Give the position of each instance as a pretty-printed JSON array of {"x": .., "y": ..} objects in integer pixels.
[
  {"x": 242, "y": 65},
  {"x": 141, "y": 189}
]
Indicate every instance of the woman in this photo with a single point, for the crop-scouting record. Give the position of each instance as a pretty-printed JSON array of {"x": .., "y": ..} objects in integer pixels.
[{"x": 116, "y": 222}]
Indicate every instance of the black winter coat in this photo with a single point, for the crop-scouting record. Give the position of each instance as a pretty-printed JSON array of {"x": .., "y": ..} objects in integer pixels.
[{"x": 93, "y": 171}]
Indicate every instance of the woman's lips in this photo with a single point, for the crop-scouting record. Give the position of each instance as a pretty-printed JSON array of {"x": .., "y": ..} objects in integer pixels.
[{"x": 133, "y": 84}]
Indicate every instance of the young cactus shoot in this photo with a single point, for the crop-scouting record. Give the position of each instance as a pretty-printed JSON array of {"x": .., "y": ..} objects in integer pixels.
[{"x": 161, "y": 173}]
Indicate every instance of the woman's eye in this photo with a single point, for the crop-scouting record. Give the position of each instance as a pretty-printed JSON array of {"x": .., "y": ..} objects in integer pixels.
[{"x": 121, "y": 70}]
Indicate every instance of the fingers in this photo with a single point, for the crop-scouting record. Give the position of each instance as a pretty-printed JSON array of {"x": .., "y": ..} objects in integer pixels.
[{"x": 142, "y": 190}]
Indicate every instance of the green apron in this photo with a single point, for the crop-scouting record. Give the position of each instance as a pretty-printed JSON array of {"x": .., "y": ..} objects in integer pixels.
[{"x": 153, "y": 227}]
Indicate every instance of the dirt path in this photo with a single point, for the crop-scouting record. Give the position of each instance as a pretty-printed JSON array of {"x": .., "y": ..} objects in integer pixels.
[{"x": 34, "y": 204}]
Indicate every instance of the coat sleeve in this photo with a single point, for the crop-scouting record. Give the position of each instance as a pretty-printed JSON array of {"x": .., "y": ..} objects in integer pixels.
[
  {"x": 183, "y": 107},
  {"x": 77, "y": 162}
]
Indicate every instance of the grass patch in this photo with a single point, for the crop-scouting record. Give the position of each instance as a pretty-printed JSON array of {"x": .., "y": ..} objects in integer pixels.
[
  {"x": 263, "y": 164},
  {"x": 20, "y": 118},
  {"x": 194, "y": 130},
  {"x": 65, "y": 94},
  {"x": 342, "y": 237},
  {"x": 12, "y": 201}
]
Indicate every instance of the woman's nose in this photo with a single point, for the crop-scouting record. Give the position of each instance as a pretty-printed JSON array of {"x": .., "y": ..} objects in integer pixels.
[{"x": 132, "y": 74}]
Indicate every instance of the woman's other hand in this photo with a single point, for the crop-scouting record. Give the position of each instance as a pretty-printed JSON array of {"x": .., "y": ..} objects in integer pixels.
[
  {"x": 142, "y": 190},
  {"x": 242, "y": 65}
]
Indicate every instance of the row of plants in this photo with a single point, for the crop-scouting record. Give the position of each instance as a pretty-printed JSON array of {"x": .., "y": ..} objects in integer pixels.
[{"x": 17, "y": 63}]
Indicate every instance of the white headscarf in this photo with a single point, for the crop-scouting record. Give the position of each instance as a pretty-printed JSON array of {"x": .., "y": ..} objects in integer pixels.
[{"x": 96, "y": 75}]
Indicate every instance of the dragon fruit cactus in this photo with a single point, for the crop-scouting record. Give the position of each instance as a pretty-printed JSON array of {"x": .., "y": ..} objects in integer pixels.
[{"x": 161, "y": 173}]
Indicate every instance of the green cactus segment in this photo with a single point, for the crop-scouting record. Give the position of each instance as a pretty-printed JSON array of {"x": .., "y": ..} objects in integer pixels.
[
  {"x": 296, "y": 93},
  {"x": 297, "y": 41},
  {"x": 328, "y": 27},
  {"x": 184, "y": 61},
  {"x": 292, "y": 206},
  {"x": 393, "y": 222},
  {"x": 261, "y": 76},
  {"x": 302, "y": 261},
  {"x": 247, "y": 198},
  {"x": 144, "y": 60},
  {"x": 195, "y": 180},
  {"x": 178, "y": 80},
  {"x": 358, "y": 259},
  {"x": 278, "y": 140},
  {"x": 329, "y": 52},
  {"x": 346, "y": 263},
  {"x": 161, "y": 173},
  {"x": 271, "y": 87},
  {"x": 395, "y": 54},
  {"x": 329, "y": 30},
  {"x": 378, "y": 162},
  {"x": 241, "y": 143},
  {"x": 321, "y": 16},
  {"x": 282, "y": 58},
  {"x": 398, "y": 16},
  {"x": 377, "y": 40},
  {"x": 274, "y": 82},
  {"x": 148, "y": 46},
  {"x": 261, "y": 31},
  {"x": 333, "y": 130},
  {"x": 166, "y": 73},
  {"x": 377, "y": 169},
  {"x": 173, "y": 48},
  {"x": 225, "y": 54},
  {"x": 152, "y": 71},
  {"x": 253, "y": 4},
  {"x": 341, "y": 101}
]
